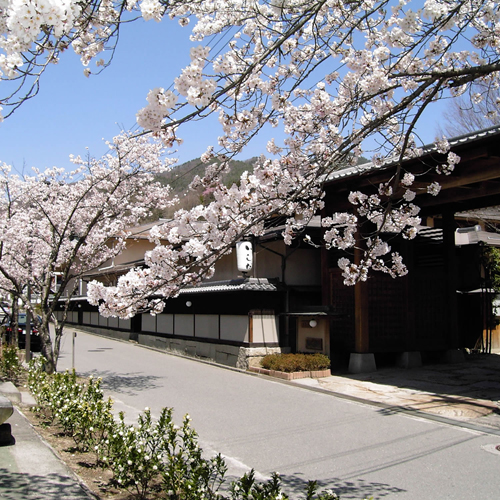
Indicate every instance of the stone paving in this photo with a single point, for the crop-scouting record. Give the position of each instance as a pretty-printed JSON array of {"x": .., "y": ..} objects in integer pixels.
[{"x": 467, "y": 392}]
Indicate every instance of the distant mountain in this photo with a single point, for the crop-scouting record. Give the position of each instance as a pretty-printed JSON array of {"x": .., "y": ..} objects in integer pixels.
[{"x": 180, "y": 176}]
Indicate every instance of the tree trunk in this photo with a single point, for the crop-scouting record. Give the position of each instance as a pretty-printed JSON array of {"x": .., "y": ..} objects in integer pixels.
[
  {"x": 50, "y": 347},
  {"x": 14, "y": 324},
  {"x": 47, "y": 348}
]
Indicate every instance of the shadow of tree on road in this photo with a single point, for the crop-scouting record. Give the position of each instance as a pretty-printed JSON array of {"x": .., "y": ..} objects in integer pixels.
[
  {"x": 20, "y": 486},
  {"x": 126, "y": 383},
  {"x": 354, "y": 489}
]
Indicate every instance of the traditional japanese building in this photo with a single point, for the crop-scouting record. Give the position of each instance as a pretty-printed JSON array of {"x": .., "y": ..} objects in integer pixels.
[
  {"x": 428, "y": 314},
  {"x": 293, "y": 298}
]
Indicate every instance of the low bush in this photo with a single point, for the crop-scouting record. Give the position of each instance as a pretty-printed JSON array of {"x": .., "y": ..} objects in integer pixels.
[
  {"x": 154, "y": 455},
  {"x": 135, "y": 453},
  {"x": 317, "y": 361},
  {"x": 295, "y": 362},
  {"x": 10, "y": 366},
  {"x": 79, "y": 408}
]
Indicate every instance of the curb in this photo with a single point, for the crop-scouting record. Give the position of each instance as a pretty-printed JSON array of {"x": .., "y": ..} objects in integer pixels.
[{"x": 290, "y": 375}]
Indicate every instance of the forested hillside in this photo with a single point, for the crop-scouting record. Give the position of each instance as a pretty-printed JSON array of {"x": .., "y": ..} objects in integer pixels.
[{"x": 181, "y": 176}]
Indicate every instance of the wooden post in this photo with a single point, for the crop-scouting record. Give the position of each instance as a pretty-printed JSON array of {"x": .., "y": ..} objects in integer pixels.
[
  {"x": 450, "y": 259},
  {"x": 250, "y": 327},
  {"x": 361, "y": 312}
]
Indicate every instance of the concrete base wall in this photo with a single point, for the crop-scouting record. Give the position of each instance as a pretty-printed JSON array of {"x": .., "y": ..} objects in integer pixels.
[
  {"x": 114, "y": 334},
  {"x": 253, "y": 355},
  {"x": 229, "y": 355}
]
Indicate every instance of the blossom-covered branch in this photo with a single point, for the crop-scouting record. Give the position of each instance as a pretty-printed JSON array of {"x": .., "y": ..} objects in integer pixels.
[
  {"x": 337, "y": 79},
  {"x": 56, "y": 226}
]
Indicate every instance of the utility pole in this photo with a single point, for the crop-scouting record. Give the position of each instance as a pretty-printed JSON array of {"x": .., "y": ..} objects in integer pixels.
[{"x": 73, "y": 352}]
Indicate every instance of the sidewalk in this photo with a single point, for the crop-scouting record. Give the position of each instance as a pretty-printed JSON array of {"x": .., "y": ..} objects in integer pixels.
[
  {"x": 29, "y": 469},
  {"x": 467, "y": 393}
]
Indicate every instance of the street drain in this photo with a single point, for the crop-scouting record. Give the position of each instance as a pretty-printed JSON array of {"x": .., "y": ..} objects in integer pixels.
[{"x": 492, "y": 448}]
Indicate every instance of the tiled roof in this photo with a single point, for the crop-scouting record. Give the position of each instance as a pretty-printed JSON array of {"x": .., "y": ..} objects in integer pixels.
[
  {"x": 430, "y": 148},
  {"x": 248, "y": 284},
  {"x": 487, "y": 213}
]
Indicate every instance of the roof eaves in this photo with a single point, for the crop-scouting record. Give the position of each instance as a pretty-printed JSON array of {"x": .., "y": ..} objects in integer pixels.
[
  {"x": 428, "y": 149},
  {"x": 249, "y": 284}
]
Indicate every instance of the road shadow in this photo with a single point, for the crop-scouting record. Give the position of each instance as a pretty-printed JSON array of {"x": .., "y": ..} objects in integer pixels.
[
  {"x": 21, "y": 486},
  {"x": 296, "y": 488},
  {"x": 127, "y": 383}
]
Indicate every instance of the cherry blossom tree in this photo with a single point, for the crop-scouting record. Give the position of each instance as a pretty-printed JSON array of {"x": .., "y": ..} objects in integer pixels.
[
  {"x": 56, "y": 226},
  {"x": 473, "y": 111},
  {"x": 337, "y": 78}
]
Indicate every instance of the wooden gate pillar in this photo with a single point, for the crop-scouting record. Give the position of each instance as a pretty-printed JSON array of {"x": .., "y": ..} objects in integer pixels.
[
  {"x": 451, "y": 276},
  {"x": 361, "y": 360}
]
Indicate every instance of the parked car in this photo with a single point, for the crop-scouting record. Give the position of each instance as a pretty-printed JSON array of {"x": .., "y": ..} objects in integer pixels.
[{"x": 36, "y": 341}]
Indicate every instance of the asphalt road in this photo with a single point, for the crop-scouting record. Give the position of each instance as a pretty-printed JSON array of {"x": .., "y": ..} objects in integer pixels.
[{"x": 356, "y": 449}]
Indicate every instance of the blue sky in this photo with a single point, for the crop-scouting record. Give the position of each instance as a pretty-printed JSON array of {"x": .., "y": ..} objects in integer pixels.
[{"x": 72, "y": 112}]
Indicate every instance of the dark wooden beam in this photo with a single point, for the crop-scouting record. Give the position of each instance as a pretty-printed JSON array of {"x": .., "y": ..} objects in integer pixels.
[
  {"x": 361, "y": 312},
  {"x": 466, "y": 193}
]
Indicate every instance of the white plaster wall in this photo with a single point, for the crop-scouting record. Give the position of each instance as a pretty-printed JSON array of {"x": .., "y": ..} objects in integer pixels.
[
  {"x": 87, "y": 319},
  {"x": 94, "y": 318},
  {"x": 265, "y": 328},
  {"x": 135, "y": 251},
  {"x": 165, "y": 323},
  {"x": 226, "y": 268},
  {"x": 234, "y": 328},
  {"x": 184, "y": 324},
  {"x": 267, "y": 264},
  {"x": 148, "y": 323},
  {"x": 124, "y": 323},
  {"x": 207, "y": 326},
  {"x": 113, "y": 322},
  {"x": 303, "y": 267}
]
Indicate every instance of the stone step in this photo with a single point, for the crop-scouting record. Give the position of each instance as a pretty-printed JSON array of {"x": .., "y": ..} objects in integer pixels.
[
  {"x": 6, "y": 409},
  {"x": 10, "y": 391}
]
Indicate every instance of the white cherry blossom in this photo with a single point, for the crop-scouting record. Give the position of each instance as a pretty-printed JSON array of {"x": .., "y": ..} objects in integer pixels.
[{"x": 333, "y": 76}]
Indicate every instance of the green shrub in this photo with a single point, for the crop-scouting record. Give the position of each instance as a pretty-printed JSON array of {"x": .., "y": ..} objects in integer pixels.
[
  {"x": 154, "y": 454},
  {"x": 247, "y": 487},
  {"x": 186, "y": 474},
  {"x": 89, "y": 416},
  {"x": 295, "y": 362},
  {"x": 9, "y": 363},
  {"x": 135, "y": 454},
  {"x": 317, "y": 361},
  {"x": 79, "y": 408}
]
